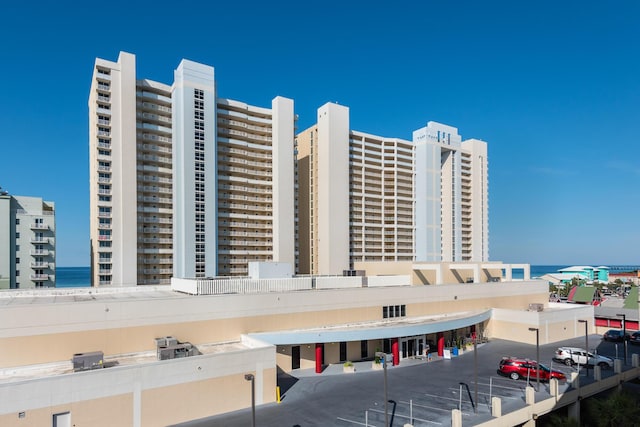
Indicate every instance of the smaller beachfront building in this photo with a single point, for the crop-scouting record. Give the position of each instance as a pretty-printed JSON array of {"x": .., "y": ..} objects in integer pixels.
[
  {"x": 27, "y": 242},
  {"x": 588, "y": 273}
]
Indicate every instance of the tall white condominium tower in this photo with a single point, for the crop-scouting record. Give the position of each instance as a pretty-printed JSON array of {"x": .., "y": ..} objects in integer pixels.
[
  {"x": 355, "y": 195},
  {"x": 452, "y": 201},
  {"x": 233, "y": 179},
  {"x": 363, "y": 197},
  {"x": 184, "y": 183},
  {"x": 27, "y": 242},
  {"x": 130, "y": 176}
]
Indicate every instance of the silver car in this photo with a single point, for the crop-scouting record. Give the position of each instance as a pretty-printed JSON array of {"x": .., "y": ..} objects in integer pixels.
[{"x": 578, "y": 356}]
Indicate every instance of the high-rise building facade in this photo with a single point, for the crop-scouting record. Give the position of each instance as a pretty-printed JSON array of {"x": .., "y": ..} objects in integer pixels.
[
  {"x": 366, "y": 198},
  {"x": 234, "y": 179},
  {"x": 452, "y": 200},
  {"x": 184, "y": 183},
  {"x": 130, "y": 166},
  {"x": 27, "y": 242}
]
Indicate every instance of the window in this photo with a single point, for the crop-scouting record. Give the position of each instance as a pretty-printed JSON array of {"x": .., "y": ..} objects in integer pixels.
[
  {"x": 17, "y": 221},
  {"x": 17, "y": 234},
  {"x": 17, "y": 260},
  {"x": 391, "y": 311}
]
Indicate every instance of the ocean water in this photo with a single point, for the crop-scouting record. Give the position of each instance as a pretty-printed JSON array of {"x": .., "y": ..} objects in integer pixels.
[{"x": 73, "y": 277}]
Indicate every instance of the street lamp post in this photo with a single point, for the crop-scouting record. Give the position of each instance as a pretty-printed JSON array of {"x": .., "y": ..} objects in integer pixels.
[
  {"x": 624, "y": 335},
  {"x": 586, "y": 340},
  {"x": 475, "y": 369},
  {"x": 537, "y": 357},
  {"x": 382, "y": 357},
  {"x": 252, "y": 378}
]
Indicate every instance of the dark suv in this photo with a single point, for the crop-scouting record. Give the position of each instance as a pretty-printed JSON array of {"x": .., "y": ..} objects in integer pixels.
[
  {"x": 614, "y": 335},
  {"x": 516, "y": 368}
]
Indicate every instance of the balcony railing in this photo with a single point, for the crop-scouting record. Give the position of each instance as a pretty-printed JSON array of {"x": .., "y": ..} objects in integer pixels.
[
  {"x": 39, "y": 264},
  {"x": 39, "y": 277}
]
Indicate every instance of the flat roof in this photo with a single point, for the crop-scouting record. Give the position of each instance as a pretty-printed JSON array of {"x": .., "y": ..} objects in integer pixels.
[{"x": 28, "y": 372}]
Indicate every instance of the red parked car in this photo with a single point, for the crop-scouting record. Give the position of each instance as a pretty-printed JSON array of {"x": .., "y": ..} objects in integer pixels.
[{"x": 516, "y": 368}]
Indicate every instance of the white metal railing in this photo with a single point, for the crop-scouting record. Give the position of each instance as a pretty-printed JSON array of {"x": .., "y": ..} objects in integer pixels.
[{"x": 220, "y": 286}]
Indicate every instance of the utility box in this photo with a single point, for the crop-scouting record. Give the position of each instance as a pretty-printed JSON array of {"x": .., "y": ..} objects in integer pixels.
[
  {"x": 270, "y": 270},
  {"x": 170, "y": 348},
  {"x": 536, "y": 307},
  {"x": 88, "y": 361}
]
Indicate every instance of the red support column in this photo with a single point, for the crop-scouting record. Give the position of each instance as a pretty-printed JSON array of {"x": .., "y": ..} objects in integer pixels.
[
  {"x": 473, "y": 332},
  {"x": 440, "y": 344},
  {"x": 395, "y": 352},
  {"x": 318, "y": 358}
]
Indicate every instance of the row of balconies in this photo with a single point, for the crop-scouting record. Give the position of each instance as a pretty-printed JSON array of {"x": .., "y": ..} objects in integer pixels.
[
  {"x": 154, "y": 230},
  {"x": 244, "y": 207},
  {"x": 163, "y": 251},
  {"x": 155, "y": 189},
  {"x": 241, "y": 161},
  {"x": 227, "y": 232},
  {"x": 156, "y": 159},
  {"x": 154, "y": 148},
  {"x": 156, "y": 271},
  {"x": 154, "y": 178},
  {"x": 230, "y": 196},
  {"x": 154, "y": 137},
  {"x": 154, "y": 117},
  {"x": 155, "y": 199},
  {"x": 156, "y": 209},
  {"x": 228, "y": 123},
  {"x": 155, "y": 169},
  {"x": 244, "y": 188},
  {"x": 240, "y": 258},
  {"x": 222, "y": 148},
  {"x": 156, "y": 261},
  {"x": 152, "y": 106},
  {"x": 154, "y": 220},
  {"x": 247, "y": 135},
  {"x": 252, "y": 241},
  {"x": 155, "y": 240},
  {"x": 245, "y": 171}
]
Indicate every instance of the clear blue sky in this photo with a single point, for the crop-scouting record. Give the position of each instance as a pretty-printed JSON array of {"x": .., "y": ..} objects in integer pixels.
[{"x": 553, "y": 87}]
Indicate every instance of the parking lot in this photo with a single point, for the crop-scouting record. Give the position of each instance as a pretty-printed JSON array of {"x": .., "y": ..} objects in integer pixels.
[{"x": 418, "y": 392}]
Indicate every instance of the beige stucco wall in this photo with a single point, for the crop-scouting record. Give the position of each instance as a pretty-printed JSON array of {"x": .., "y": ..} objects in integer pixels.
[
  {"x": 108, "y": 411},
  {"x": 41, "y": 333},
  {"x": 427, "y": 276},
  {"x": 553, "y": 325},
  {"x": 146, "y": 394}
]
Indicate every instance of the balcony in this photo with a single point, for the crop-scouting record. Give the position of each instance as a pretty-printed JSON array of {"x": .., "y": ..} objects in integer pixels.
[
  {"x": 39, "y": 226},
  {"x": 40, "y": 252},
  {"x": 40, "y": 240},
  {"x": 39, "y": 264},
  {"x": 39, "y": 277}
]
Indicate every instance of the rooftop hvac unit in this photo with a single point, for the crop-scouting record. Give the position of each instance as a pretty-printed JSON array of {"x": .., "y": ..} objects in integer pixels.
[
  {"x": 87, "y": 361},
  {"x": 536, "y": 307}
]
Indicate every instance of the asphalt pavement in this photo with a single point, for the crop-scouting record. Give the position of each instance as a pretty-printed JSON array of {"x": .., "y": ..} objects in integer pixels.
[{"x": 418, "y": 391}]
